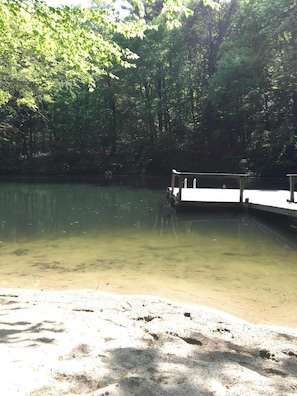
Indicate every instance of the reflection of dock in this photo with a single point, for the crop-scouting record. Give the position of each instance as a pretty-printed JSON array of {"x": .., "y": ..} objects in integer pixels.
[
  {"x": 185, "y": 193},
  {"x": 239, "y": 225}
]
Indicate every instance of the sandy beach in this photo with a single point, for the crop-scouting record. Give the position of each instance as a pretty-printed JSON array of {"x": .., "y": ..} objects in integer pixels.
[{"x": 94, "y": 343}]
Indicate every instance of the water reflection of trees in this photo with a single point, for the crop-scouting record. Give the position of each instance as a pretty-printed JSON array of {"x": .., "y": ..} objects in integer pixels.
[{"x": 51, "y": 209}]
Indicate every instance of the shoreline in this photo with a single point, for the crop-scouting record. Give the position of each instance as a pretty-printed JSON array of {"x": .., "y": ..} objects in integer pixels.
[
  {"x": 258, "y": 314},
  {"x": 212, "y": 311},
  {"x": 92, "y": 342}
]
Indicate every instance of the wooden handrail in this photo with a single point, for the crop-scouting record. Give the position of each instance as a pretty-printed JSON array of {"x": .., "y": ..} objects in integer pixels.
[
  {"x": 210, "y": 174},
  {"x": 182, "y": 175}
]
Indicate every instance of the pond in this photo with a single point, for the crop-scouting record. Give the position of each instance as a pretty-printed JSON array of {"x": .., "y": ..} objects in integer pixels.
[{"x": 120, "y": 238}]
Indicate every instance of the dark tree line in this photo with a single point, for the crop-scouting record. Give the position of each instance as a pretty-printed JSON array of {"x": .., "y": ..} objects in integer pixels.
[{"x": 217, "y": 93}]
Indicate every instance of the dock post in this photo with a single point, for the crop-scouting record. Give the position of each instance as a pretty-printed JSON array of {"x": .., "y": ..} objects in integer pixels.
[
  {"x": 180, "y": 186},
  {"x": 292, "y": 188},
  {"x": 241, "y": 186},
  {"x": 292, "y": 183},
  {"x": 172, "y": 181}
]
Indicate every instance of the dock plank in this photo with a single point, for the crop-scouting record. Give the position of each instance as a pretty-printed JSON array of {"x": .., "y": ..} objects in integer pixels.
[
  {"x": 208, "y": 194},
  {"x": 276, "y": 201}
]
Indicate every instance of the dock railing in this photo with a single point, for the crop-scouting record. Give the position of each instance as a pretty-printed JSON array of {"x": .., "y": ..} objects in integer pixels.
[
  {"x": 182, "y": 176},
  {"x": 292, "y": 177}
]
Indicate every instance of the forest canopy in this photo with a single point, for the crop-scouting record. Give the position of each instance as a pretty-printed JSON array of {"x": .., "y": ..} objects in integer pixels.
[{"x": 196, "y": 85}]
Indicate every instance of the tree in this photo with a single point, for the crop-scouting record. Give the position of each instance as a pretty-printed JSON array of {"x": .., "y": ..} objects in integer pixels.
[
  {"x": 44, "y": 50},
  {"x": 254, "y": 87}
]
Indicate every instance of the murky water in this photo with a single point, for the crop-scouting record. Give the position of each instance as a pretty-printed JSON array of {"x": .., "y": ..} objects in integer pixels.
[{"x": 125, "y": 240}]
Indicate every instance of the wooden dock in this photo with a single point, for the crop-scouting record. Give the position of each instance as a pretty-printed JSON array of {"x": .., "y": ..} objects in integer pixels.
[{"x": 185, "y": 192}]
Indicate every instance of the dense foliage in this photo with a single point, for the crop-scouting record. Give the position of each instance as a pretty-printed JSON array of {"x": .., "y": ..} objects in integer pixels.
[{"x": 196, "y": 88}]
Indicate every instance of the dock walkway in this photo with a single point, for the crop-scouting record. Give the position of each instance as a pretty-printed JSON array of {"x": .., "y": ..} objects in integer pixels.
[{"x": 189, "y": 195}]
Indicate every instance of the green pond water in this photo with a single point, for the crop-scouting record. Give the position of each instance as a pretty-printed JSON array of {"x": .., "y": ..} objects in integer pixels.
[{"x": 125, "y": 240}]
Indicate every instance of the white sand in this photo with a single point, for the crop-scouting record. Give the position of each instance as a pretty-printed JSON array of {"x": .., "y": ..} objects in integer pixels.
[{"x": 90, "y": 343}]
